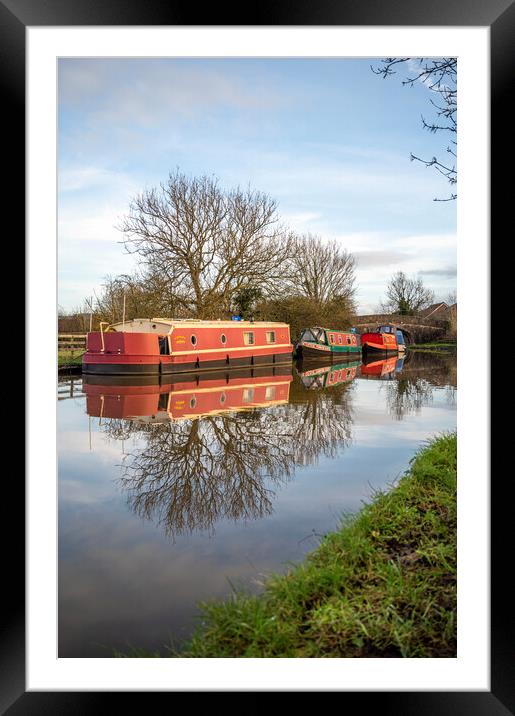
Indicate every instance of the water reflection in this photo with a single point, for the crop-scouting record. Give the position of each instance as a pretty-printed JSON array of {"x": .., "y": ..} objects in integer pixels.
[
  {"x": 410, "y": 380},
  {"x": 258, "y": 476},
  {"x": 315, "y": 375},
  {"x": 218, "y": 446}
]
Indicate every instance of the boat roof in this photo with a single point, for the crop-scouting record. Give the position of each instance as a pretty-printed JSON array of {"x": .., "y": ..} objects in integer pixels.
[
  {"x": 332, "y": 330},
  {"x": 153, "y": 323}
]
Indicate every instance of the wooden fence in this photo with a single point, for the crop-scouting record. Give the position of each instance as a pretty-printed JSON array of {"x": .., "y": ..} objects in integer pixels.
[{"x": 72, "y": 342}]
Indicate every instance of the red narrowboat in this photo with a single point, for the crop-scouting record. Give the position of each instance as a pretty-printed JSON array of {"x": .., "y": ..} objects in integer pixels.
[
  {"x": 160, "y": 345},
  {"x": 387, "y": 339},
  {"x": 187, "y": 398}
]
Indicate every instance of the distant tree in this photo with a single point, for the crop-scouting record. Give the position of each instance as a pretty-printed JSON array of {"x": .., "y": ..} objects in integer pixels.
[
  {"x": 146, "y": 294},
  {"x": 322, "y": 271},
  {"x": 451, "y": 298},
  {"x": 440, "y": 77},
  {"x": 301, "y": 312},
  {"x": 207, "y": 243},
  {"x": 406, "y": 296}
]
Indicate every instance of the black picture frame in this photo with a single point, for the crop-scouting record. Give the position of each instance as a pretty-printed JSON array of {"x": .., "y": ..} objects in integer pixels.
[{"x": 15, "y": 17}]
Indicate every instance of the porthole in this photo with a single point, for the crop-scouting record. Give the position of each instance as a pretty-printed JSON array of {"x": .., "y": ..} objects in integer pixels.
[
  {"x": 193, "y": 340},
  {"x": 193, "y": 402},
  {"x": 223, "y": 398},
  {"x": 223, "y": 338}
]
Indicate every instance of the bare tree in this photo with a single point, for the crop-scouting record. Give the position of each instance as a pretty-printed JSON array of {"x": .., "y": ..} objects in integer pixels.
[
  {"x": 322, "y": 270},
  {"x": 207, "y": 243},
  {"x": 406, "y": 295},
  {"x": 451, "y": 298},
  {"x": 440, "y": 77}
]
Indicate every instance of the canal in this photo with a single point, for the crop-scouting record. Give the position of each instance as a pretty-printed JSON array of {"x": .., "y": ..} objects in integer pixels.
[{"x": 174, "y": 494}]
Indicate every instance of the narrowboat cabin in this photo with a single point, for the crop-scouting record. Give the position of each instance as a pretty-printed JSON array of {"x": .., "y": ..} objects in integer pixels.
[
  {"x": 318, "y": 342},
  {"x": 165, "y": 346},
  {"x": 386, "y": 339},
  {"x": 186, "y": 397}
]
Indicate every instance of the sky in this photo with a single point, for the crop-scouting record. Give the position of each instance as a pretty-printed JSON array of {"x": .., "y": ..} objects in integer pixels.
[{"x": 328, "y": 139}]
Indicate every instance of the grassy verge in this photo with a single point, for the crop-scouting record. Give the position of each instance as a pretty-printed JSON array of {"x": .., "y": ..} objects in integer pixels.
[
  {"x": 383, "y": 585},
  {"x": 447, "y": 346},
  {"x": 65, "y": 358}
]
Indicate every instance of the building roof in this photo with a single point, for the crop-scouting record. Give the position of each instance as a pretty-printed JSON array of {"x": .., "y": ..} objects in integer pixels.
[{"x": 439, "y": 307}]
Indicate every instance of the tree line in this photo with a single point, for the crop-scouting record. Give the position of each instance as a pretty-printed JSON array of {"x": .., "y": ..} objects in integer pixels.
[{"x": 209, "y": 253}]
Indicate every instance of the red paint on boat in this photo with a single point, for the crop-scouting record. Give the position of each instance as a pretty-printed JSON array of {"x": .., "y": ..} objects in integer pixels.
[
  {"x": 377, "y": 341},
  {"x": 179, "y": 345}
]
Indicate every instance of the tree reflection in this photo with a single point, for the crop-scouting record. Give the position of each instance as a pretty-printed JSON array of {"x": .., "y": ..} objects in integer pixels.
[
  {"x": 190, "y": 474},
  {"x": 412, "y": 388}
]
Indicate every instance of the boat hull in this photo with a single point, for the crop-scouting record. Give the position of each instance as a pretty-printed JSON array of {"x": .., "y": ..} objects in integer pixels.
[
  {"x": 315, "y": 350},
  {"x": 130, "y": 366}
]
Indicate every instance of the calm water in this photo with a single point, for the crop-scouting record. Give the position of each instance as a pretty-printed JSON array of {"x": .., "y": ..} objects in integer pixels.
[{"x": 168, "y": 494}]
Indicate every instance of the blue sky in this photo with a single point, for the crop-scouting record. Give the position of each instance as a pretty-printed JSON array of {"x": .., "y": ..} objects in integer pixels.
[{"x": 326, "y": 138}]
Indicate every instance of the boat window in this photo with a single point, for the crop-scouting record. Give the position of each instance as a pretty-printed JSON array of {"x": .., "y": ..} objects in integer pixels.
[
  {"x": 164, "y": 346},
  {"x": 331, "y": 338},
  {"x": 194, "y": 340},
  {"x": 248, "y": 395},
  {"x": 248, "y": 338},
  {"x": 319, "y": 335},
  {"x": 308, "y": 336},
  {"x": 270, "y": 336},
  {"x": 270, "y": 392},
  {"x": 223, "y": 398},
  {"x": 193, "y": 402},
  {"x": 340, "y": 340},
  {"x": 163, "y": 401},
  {"x": 223, "y": 338},
  {"x": 349, "y": 341},
  {"x": 385, "y": 329}
]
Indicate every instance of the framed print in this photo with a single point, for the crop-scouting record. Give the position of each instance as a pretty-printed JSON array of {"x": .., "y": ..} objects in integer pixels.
[{"x": 68, "y": 620}]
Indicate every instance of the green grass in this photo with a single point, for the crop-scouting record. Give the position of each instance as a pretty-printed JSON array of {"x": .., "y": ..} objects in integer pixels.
[
  {"x": 436, "y": 346},
  {"x": 66, "y": 358},
  {"x": 383, "y": 585}
]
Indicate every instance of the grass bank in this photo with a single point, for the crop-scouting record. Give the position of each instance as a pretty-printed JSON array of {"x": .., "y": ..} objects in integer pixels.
[
  {"x": 436, "y": 346},
  {"x": 67, "y": 358},
  {"x": 383, "y": 585}
]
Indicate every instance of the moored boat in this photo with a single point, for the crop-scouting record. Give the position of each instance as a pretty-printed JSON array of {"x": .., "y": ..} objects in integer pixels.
[
  {"x": 319, "y": 342},
  {"x": 386, "y": 339},
  {"x": 160, "y": 345}
]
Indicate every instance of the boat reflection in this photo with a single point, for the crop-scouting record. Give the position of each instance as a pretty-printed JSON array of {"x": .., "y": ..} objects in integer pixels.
[
  {"x": 384, "y": 369},
  {"x": 146, "y": 399},
  {"x": 316, "y": 375},
  {"x": 410, "y": 381}
]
